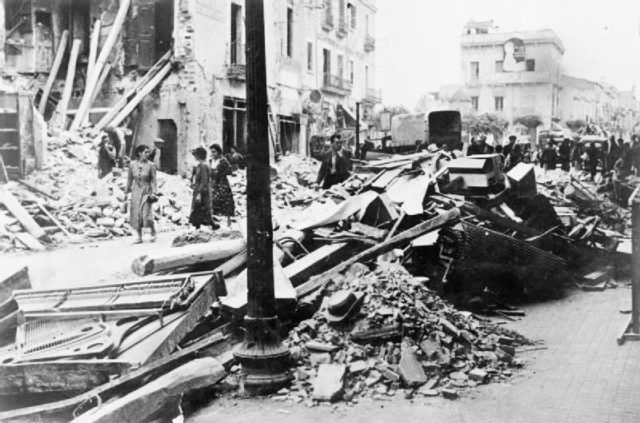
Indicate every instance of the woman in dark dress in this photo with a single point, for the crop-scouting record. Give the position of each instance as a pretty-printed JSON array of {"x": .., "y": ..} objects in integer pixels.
[
  {"x": 221, "y": 195},
  {"x": 201, "y": 213},
  {"x": 106, "y": 157}
]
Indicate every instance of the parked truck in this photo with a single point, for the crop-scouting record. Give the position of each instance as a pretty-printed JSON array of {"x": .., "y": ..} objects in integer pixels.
[{"x": 443, "y": 127}]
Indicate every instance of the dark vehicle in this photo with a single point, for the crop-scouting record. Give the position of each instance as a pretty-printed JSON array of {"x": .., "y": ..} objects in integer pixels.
[
  {"x": 598, "y": 140},
  {"x": 445, "y": 129}
]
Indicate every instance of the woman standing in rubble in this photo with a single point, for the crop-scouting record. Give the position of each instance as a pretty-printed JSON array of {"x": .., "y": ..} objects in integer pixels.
[
  {"x": 141, "y": 183},
  {"x": 201, "y": 213},
  {"x": 221, "y": 195}
]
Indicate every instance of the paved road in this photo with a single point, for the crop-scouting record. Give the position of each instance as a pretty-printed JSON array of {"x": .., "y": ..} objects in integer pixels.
[{"x": 581, "y": 376}]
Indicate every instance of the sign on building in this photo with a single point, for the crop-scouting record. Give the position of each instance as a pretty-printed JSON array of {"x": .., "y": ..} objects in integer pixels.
[
  {"x": 385, "y": 121},
  {"x": 514, "y": 55}
]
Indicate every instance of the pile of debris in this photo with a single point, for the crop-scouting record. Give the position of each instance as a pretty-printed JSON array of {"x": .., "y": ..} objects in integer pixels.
[
  {"x": 404, "y": 336},
  {"x": 70, "y": 202}
]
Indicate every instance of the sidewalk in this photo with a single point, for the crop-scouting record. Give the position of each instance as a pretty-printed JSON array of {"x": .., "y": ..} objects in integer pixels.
[{"x": 581, "y": 376}]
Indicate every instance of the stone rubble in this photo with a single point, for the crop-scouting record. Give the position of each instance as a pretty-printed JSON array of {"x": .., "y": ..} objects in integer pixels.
[{"x": 456, "y": 350}]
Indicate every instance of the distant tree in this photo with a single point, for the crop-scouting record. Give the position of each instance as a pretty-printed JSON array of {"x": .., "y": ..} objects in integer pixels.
[
  {"x": 576, "y": 125},
  {"x": 530, "y": 121},
  {"x": 486, "y": 123}
]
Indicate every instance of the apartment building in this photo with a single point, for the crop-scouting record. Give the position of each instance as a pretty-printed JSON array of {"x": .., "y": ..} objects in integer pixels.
[{"x": 320, "y": 63}]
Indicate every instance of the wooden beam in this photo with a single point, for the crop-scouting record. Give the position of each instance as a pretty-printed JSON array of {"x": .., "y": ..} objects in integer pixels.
[
  {"x": 141, "y": 95},
  {"x": 61, "y": 410},
  {"x": 172, "y": 258},
  {"x": 96, "y": 93},
  {"x": 381, "y": 248},
  {"x": 93, "y": 48},
  {"x": 25, "y": 219},
  {"x": 37, "y": 190},
  {"x": 29, "y": 241},
  {"x": 68, "y": 83},
  {"x": 55, "y": 67},
  {"x": 59, "y": 375},
  {"x": 140, "y": 404},
  {"x": 115, "y": 108},
  {"x": 314, "y": 262},
  {"x": 13, "y": 277},
  {"x": 92, "y": 80}
]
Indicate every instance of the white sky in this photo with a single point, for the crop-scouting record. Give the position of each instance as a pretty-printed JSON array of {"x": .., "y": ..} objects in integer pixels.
[{"x": 418, "y": 41}]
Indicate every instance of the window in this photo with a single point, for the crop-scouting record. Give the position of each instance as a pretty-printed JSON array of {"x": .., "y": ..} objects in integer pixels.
[
  {"x": 353, "y": 15},
  {"x": 499, "y": 103},
  {"x": 309, "y": 56},
  {"x": 499, "y": 66},
  {"x": 236, "y": 50},
  {"x": 475, "y": 71},
  {"x": 474, "y": 103},
  {"x": 289, "y": 32},
  {"x": 351, "y": 71},
  {"x": 366, "y": 24},
  {"x": 326, "y": 61},
  {"x": 340, "y": 66},
  {"x": 366, "y": 76},
  {"x": 531, "y": 65}
]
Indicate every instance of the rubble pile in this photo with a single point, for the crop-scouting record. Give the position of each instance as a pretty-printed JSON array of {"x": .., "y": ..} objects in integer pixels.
[
  {"x": 404, "y": 337},
  {"x": 92, "y": 208},
  {"x": 290, "y": 184}
]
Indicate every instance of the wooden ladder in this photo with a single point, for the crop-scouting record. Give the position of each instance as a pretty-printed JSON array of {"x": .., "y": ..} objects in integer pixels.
[{"x": 273, "y": 133}]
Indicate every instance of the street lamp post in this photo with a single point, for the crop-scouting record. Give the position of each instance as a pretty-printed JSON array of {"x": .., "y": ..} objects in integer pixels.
[{"x": 263, "y": 357}]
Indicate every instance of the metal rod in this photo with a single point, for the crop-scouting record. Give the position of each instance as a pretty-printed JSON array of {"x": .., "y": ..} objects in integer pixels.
[{"x": 358, "y": 130}]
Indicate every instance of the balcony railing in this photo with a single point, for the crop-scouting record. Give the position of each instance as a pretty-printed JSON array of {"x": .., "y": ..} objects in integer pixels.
[
  {"x": 327, "y": 21},
  {"x": 369, "y": 43},
  {"x": 336, "y": 84},
  {"x": 342, "y": 27},
  {"x": 373, "y": 96}
]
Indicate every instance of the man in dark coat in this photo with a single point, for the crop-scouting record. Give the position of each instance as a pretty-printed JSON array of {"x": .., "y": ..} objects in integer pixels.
[
  {"x": 480, "y": 148},
  {"x": 507, "y": 148},
  {"x": 336, "y": 164},
  {"x": 564, "y": 155}
]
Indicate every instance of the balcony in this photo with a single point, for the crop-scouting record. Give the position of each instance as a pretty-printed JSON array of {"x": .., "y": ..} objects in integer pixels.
[
  {"x": 373, "y": 96},
  {"x": 369, "y": 43},
  {"x": 336, "y": 85},
  {"x": 236, "y": 69},
  {"x": 342, "y": 27},
  {"x": 327, "y": 21},
  {"x": 524, "y": 77}
]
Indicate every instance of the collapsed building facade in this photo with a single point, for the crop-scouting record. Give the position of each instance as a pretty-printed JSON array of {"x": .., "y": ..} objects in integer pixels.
[{"x": 320, "y": 63}]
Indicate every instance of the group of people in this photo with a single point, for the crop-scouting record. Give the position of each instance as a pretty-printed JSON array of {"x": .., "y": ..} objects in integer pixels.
[
  {"x": 607, "y": 156},
  {"x": 212, "y": 194}
]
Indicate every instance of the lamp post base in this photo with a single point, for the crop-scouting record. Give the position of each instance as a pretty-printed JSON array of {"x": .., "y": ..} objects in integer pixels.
[{"x": 263, "y": 357}]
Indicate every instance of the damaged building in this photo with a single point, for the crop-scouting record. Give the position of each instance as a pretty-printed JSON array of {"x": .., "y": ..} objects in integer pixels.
[{"x": 320, "y": 63}]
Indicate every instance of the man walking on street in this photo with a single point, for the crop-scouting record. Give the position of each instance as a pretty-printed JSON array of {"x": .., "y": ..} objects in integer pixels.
[
  {"x": 336, "y": 165},
  {"x": 507, "y": 148}
]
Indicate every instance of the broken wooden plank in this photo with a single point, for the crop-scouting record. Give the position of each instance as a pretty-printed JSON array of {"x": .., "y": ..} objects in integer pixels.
[
  {"x": 153, "y": 83},
  {"x": 61, "y": 410},
  {"x": 397, "y": 223},
  {"x": 37, "y": 190},
  {"x": 368, "y": 231},
  {"x": 29, "y": 241},
  {"x": 383, "y": 247},
  {"x": 329, "y": 383},
  {"x": 55, "y": 67},
  {"x": 92, "y": 80},
  {"x": 115, "y": 108},
  {"x": 13, "y": 277},
  {"x": 59, "y": 375},
  {"x": 313, "y": 263},
  {"x": 172, "y": 258},
  {"x": 93, "y": 48},
  {"x": 385, "y": 333},
  {"x": 68, "y": 84},
  {"x": 138, "y": 405}
]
